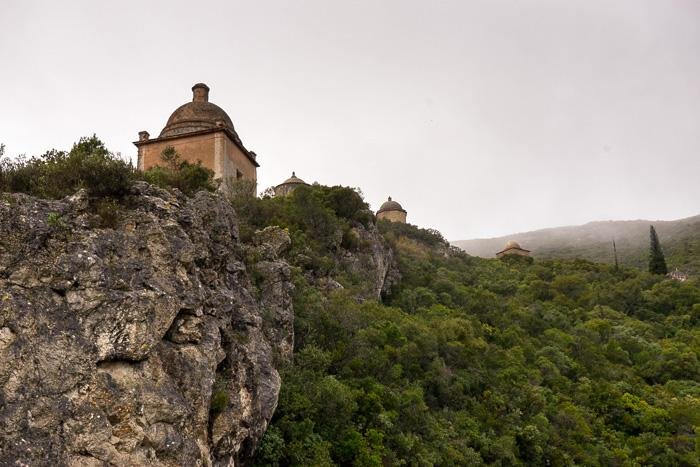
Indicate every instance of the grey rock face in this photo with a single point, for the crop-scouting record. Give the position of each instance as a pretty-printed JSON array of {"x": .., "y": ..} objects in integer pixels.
[
  {"x": 147, "y": 344},
  {"x": 373, "y": 261}
]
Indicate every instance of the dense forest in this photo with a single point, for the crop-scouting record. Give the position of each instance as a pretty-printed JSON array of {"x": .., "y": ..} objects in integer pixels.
[
  {"x": 464, "y": 361},
  {"x": 472, "y": 361}
]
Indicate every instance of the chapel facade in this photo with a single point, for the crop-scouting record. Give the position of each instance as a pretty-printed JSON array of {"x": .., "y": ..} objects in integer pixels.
[{"x": 201, "y": 131}]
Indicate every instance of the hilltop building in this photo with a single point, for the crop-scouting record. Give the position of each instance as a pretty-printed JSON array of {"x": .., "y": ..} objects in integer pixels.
[
  {"x": 201, "y": 131},
  {"x": 288, "y": 186},
  {"x": 392, "y": 211},
  {"x": 677, "y": 275},
  {"x": 512, "y": 248}
]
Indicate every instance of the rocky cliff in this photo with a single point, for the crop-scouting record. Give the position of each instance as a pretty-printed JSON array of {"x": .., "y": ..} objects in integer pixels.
[
  {"x": 148, "y": 343},
  {"x": 373, "y": 263}
]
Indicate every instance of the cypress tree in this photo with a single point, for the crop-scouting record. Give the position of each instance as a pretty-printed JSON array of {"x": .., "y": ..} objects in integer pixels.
[{"x": 657, "y": 262}]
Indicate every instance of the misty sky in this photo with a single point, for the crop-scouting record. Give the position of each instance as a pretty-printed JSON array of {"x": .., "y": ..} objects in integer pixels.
[{"x": 482, "y": 118}]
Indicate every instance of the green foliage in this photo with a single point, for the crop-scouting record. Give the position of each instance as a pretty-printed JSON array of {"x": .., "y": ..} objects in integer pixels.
[
  {"x": 57, "y": 174},
  {"x": 517, "y": 259},
  {"x": 55, "y": 221},
  {"x": 90, "y": 165},
  {"x": 58, "y": 225},
  {"x": 657, "y": 262},
  {"x": 395, "y": 230},
  {"x": 108, "y": 212},
  {"x": 473, "y": 361},
  {"x": 219, "y": 401},
  {"x": 177, "y": 173},
  {"x": 321, "y": 221},
  {"x": 271, "y": 449}
]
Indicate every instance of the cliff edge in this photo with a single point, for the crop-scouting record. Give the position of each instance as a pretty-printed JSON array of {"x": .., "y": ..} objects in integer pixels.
[{"x": 149, "y": 343}]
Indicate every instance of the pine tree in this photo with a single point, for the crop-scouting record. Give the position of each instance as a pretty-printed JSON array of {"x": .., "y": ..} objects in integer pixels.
[{"x": 657, "y": 262}]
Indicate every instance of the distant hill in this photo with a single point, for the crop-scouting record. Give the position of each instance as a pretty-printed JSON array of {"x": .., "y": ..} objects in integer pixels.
[{"x": 680, "y": 240}]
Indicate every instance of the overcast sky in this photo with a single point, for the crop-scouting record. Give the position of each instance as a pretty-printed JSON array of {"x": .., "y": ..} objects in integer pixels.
[{"x": 482, "y": 117}]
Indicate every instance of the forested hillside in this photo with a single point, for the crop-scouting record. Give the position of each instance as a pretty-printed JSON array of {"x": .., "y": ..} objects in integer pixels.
[
  {"x": 680, "y": 240},
  {"x": 473, "y": 361}
]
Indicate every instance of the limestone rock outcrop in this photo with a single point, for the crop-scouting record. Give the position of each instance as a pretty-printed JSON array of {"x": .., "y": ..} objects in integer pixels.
[
  {"x": 149, "y": 343},
  {"x": 373, "y": 261}
]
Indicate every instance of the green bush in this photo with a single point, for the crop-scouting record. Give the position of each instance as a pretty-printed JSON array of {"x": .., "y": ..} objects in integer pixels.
[
  {"x": 177, "y": 173},
  {"x": 219, "y": 401},
  {"x": 350, "y": 240},
  {"x": 320, "y": 220},
  {"x": 57, "y": 174},
  {"x": 108, "y": 211},
  {"x": 55, "y": 220},
  {"x": 89, "y": 165},
  {"x": 393, "y": 230}
]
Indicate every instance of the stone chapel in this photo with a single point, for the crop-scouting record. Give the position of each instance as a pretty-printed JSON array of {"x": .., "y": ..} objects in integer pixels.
[
  {"x": 201, "y": 131},
  {"x": 392, "y": 211}
]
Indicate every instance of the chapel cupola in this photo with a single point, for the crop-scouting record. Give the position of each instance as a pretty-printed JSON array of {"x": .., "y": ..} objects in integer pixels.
[
  {"x": 288, "y": 186},
  {"x": 392, "y": 211}
]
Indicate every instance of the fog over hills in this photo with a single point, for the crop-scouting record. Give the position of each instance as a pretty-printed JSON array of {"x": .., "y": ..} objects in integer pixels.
[{"x": 680, "y": 240}]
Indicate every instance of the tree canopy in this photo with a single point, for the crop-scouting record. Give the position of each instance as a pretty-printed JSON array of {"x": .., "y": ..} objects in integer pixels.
[{"x": 473, "y": 361}]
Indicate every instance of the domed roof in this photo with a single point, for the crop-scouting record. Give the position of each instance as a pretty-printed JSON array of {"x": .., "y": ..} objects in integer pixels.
[
  {"x": 512, "y": 244},
  {"x": 390, "y": 205},
  {"x": 293, "y": 180},
  {"x": 198, "y": 115}
]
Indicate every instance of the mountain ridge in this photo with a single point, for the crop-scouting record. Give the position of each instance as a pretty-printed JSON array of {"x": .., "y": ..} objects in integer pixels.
[{"x": 593, "y": 241}]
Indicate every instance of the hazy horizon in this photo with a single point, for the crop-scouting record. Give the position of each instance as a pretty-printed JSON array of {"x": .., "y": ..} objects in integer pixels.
[
  {"x": 552, "y": 227},
  {"x": 482, "y": 118}
]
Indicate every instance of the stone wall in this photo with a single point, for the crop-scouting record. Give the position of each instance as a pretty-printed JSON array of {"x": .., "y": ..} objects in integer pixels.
[
  {"x": 192, "y": 149},
  {"x": 393, "y": 216},
  {"x": 234, "y": 164},
  {"x": 215, "y": 150}
]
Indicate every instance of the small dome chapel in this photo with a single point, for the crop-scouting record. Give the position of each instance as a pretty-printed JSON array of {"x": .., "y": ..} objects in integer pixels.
[
  {"x": 288, "y": 186},
  {"x": 392, "y": 211},
  {"x": 512, "y": 248},
  {"x": 201, "y": 131}
]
